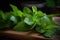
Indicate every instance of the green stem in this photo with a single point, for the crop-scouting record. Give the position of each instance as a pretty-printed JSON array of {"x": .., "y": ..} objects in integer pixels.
[
  {"x": 33, "y": 26},
  {"x": 52, "y": 15}
]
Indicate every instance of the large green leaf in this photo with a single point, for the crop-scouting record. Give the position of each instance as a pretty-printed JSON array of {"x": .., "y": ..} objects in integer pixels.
[{"x": 21, "y": 26}]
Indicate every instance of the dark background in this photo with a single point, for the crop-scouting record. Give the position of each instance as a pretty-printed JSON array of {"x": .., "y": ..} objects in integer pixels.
[{"x": 4, "y": 4}]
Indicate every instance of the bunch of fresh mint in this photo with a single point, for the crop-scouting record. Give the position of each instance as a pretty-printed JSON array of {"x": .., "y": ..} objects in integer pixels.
[{"x": 28, "y": 19}]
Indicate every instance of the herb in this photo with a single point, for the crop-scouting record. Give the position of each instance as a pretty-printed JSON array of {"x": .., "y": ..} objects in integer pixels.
[
  {"x": 4, "y": 21},
  {"x": 28, "y": 19}
]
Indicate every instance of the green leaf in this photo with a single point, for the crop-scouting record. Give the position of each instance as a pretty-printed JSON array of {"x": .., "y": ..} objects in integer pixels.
[
  {"x": 16, "y": 11},
  {"x": 35, "y": 19},
  {"x": 50, "y": 31},
  {"x": 5, "y": 24},
  {"x": 34, "y": 8},
  {"x": 21, "y": 26},
  {"x": 20, "y": 13},
  {"x": 8, "y": 15},
  {"x": 40, "y": 13},
  {"x": 5, "y": 20},
  {"x": 52, "y": 20},
  {"x": 39, "y": 29},
  {"x": 28, "y": 21},
  {"x": 45, "y": 21},
  {"x": 13, "y": 18},
  {"x": 50, "y": 26},
  {"x": 27, "y": 10},
  {"x": 2, "y": 15}
]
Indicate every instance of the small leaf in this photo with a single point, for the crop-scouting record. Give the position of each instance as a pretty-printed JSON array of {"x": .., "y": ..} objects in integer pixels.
[
  {"x": 13, "y": 18},
  {"x": 20, "y": 13},
  {"x": 35, "y": 19},
  {"x": 28, "y": 21},
  {"x": 34, "y": 8},
  {"x": 49, "y": 33},
  {"x": 27, "y": 10},
  {"x": 52, "y": 20},
  {"x": 5, "y": 24},
  {"x": 39, "y": 29},
  {"x": 21, "y": 26},
  {"x": 27, "y": 15},
  {"x": 2, "y": 15},
  {"x": 45, "y": 21},
  {"x": 8, "y": 15},
  {"x": 40, "y": 13},
  {"x": 50, "y": 30},
  {"x": 50, "y": 26},
  {"x": 15, "y": 9}
]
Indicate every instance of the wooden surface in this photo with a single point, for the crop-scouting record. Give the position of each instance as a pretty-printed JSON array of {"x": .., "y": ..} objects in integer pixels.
[{"x": 22, "y": 35}]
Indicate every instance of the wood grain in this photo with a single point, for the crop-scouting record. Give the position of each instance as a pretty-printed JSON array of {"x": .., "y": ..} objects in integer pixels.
[{"x": 22, "y": 35}]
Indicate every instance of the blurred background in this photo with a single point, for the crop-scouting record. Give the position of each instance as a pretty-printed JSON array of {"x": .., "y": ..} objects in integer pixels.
[{"x": 48, "y": 6}]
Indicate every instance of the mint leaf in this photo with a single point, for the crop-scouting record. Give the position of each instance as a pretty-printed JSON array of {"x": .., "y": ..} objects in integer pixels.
[
  {"x": 45, "y": 21},
  {"x": 28, "y": 21},
  {"x": 16, "y": 11},
  {"x": 40, "y": 13},
  {"x": 50, "y": 31},
  {"x": 20, "y": 13},
  {"x": 13, "y": 18},
  {"x": 2, "y": 15},
  {"x": 34, "y": 8},
  {"x": 27, "y": 10},
  {"x": 21, "y": 26},
  {"x": 39, "y": 29}
]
